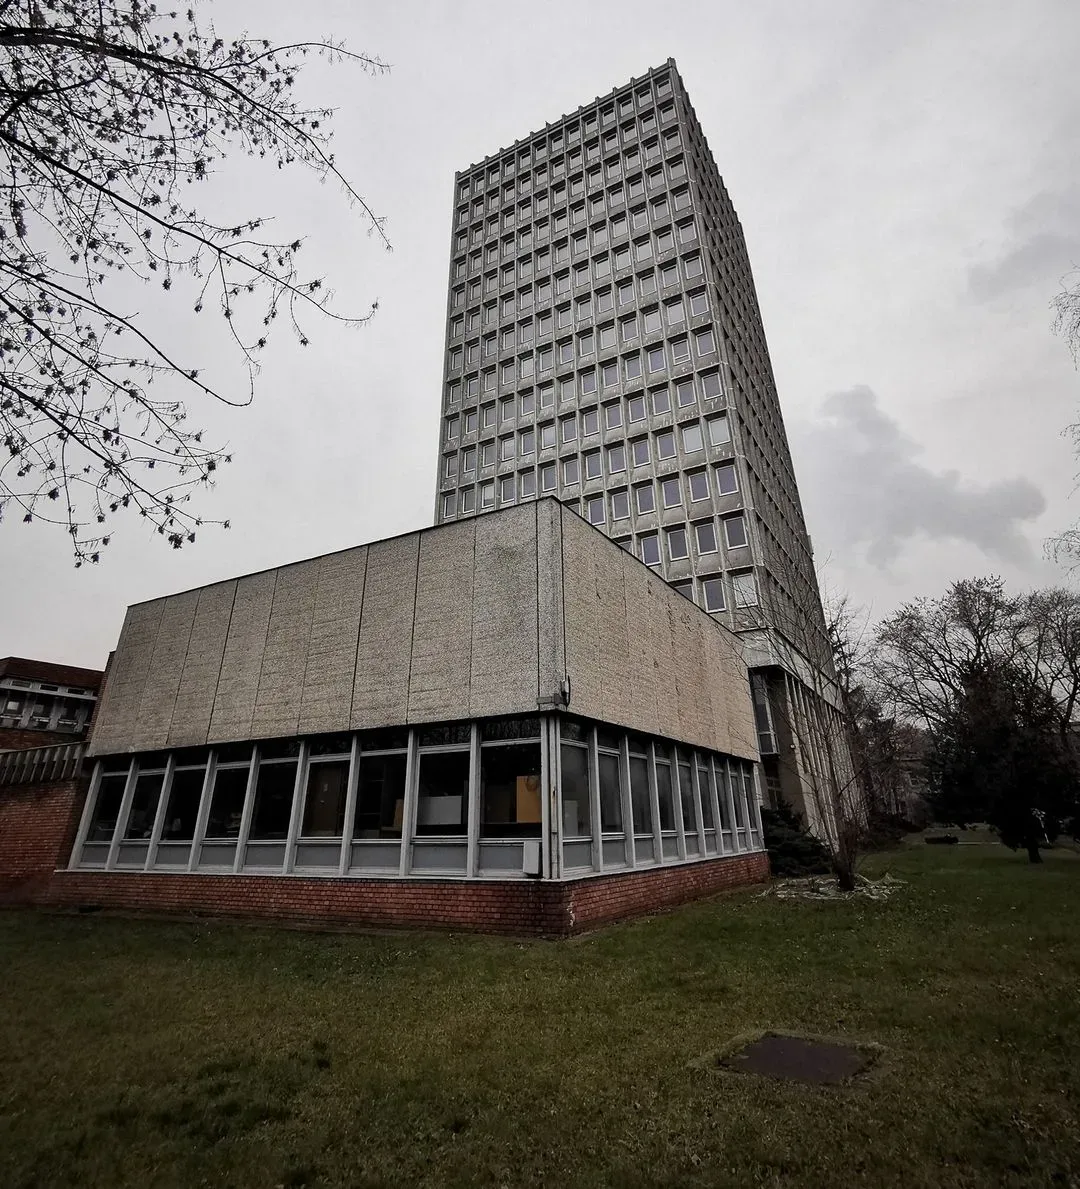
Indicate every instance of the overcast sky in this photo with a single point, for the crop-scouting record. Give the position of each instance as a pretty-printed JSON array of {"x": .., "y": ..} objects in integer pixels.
[{"x": 908, "y": 178}]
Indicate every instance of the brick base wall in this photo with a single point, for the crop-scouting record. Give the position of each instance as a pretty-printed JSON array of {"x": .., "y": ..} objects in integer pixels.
[
  {"x": 513, "y": 906},
  {"x": 37, "y": 829}
]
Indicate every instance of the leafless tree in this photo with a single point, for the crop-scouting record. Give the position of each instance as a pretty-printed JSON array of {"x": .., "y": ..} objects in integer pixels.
[{"x": 109, "y": 113}]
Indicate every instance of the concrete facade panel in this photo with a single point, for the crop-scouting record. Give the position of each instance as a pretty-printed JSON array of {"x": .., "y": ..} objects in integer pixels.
[
  {"x": 550, "y": 628},
  {"x": 241, "y": 661},
  {"x": 197, "y": 688},
  {"x": 442, "y": 640},
  {"x": 326, "y": 701},
  {"x": 384, "y": 647},
  {"x": 162, "y": 683},
  {"x": 121, "y": 699},
  {"x": 288, "y": 635},
  {"x": 503, "y": 676}
]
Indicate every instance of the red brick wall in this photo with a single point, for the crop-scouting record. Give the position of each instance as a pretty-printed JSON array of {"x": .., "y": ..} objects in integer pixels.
[
  {"x": 512, "y": 906},
  {"x": 37, "y": 829},
  {"x": 38, "y": 824}
]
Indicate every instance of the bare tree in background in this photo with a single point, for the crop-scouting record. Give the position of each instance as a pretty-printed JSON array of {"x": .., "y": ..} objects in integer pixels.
[{"x": 109, "y": 113}]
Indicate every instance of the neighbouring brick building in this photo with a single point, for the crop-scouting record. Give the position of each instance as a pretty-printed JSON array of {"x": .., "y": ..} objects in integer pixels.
[
  {"x": 44, "y": 703},
  {"x": 506, "y": 723}
]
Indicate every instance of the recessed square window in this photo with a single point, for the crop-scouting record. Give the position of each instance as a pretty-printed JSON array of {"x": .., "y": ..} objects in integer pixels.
[
  {"x": 684, "y": 393},
  {"x": 712, "y": 590},
  {"x": 528, "y": 404},
  {"x": 507, "y": 489},
  {"x": 570, "y": 470},
  {"x": 448, "y": 504},
  {"x": 735, "y": 532},
  {"x": 674, "y": 313},
  {"x": 699, "y": 303},
  {"x": 628, "y": 328},
  {"x": 487, "y": 416},
  {"x": 565, "y": 351},
  {"x": 527, "y": 442},
  {"x": 613, "y": 415},
  {"x": 547, "y": 395},
  {"x": 593, "y": 467},
  {"x": 692, "y": 266},
  {"x": 669, "y": 275},
  {"x": 698, "y": 482},
  {"x": 468, "y": 499},
  {"x": 670, "y": 492},
  {"x": 468, "y": 460},
  {"x": 604, "y": 301},
  {"x": 704, "y": 342},
  {"x": 487, "y": 454},
  {"x": 548, "y": 477},
  {"x": 568, "y": 429},
  {"x": 706, "y": 536},
  {"x": 680, "y": 350},
  {"x": 587, "y": 381},
  {"x": 744, "y": 589},
  {"x": 506, "y": 449},
  {"x": 452, "y": 426},
  {"x": 631, "y": 366},
  {"x": 547, "y": 436},
  {"x": 725, "y": 479},
  {"x": 607, "y": 336},
  {"x": 506, "y": 409},
  {"x": 645, "y": 498},
  {"x": 649, "y": 549},
  {"x": 691, "y": 438},
  {"x": 625, "y": 292},
  {"x": 590, "y": 422},
  {"x": 620, "y": 505},
  {"x": 609, "y": 375},
  {"x": 710, "y": 385},
  {"x": 450, "y": 466},
  {"x": 616, "y": 459},
  {"x": 639, "y": 452},
  {"x": 635, "y": 408},
  {"x": 527, "y": 484},
  {"x": 665, "y": 444},
  {"x": 594, "y": 509},
  {"x": 676, "y": 544},
  {"x": 655, "y": 359}
]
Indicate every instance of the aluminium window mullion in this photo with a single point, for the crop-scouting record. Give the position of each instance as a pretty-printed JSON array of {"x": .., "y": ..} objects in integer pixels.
[
  {"x": 654, "y": 804},
  {"x": 408, "y": 814},
  {"x": 699, "y": 806},
  {"x": 209, "y": 777},
  {"x": 122, "y": 814},
  {"x": 472, "y": 809},
  {"x": 247, "y": 811},
  {"x": 596, "y": 842},
  {"x": 75, "y": 858},
  {"x": 159, "y": 815},
  {"x": 627, "y": 801},
  {"x": 676, "y": 802},
  {"x": 351, "y": 793},
  {"x": 296, "y": 810}
]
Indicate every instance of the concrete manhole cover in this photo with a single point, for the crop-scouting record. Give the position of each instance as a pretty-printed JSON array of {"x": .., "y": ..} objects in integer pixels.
[{"x": 799, "y": 1059}]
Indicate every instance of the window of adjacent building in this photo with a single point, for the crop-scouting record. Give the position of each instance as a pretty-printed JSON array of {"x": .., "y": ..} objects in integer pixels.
[
  {"x": 527, "y": 484},
  {"x": 587, "y": 382},
  {"x": 547, "y": 394},
  {"x": 468, "y": 499},
  {"x": 616, "y": 459},
  {"x": 691, "y": 438},
  {"x": 645, "y": 498},
  {"x": 712, "y": 590},
  {"x": 547, "y": 435},
  {"x": 640, "y": 800},
  {"x": 604, "y": 301},
  {"x": 735, "y": 532},
  {"x": 609, "y": 375},
  {"x": 670, "y": 492},
  {"x": 607, "y": 336},
  {"x": 674, "y": 313},
  {"x": 680, "y": 350},
  {"x": 487, "y": 454},
  {"x": 744, "y": 589},
  {"x": 608, "y": 771},
  {"x": 443, "y": 787},
  {"x": 698, "y": 482},
  {"x": 620, "y": 505},
  {"x": 527, "y": 403},
  {"x": 594, "y": 509},
  {"x": 686, "y": 589},
  {"x": 593, "y": 468},
  {"x": 625, "y": 292},
  {"x": 182, "y": 809},
  {"x": 669, "y": 275},
  {"x": 487, "y": 496},
  {"x": 576, "y": 798},
  {"x": 639, "y": 452},
  {"x": 452, "y": 426},
  {"x": 568, "y": 429},
  {"x": 665, "y": 444},
  {"x": 506, "y": 449},
  {"x": 632, "y": 366},
  {"x": 613, "y": 415},
  {"x": 650, "y": 549},
  {"x": 510, "y": 791},
  {"x": 565, "y": 351},
  {"x": 710, "y": 385},
  {"x": 719, "y": 430},
  {"x": 692, "y": 266},
  {"x": 590, "y": 422},
  {"x": 699, "y": 303},
  {"x": 704, "y": 342},
  {"x": 507, "y": 489},
  {"x": 548, "y": 478},
  {"x": 272, "y": 807},
  {"x": 448, "y": 505},
  {"x": 227, "y": 802},
  {"x": 725, "y": 479},
  {"x": 655, "y": 359},
  {"x": 570, "y": 470},
  {"x": 585, "y": 343},
  {"x": 470, "y": 421},
  {"x": 635, "y": 408},
  {"x": 676, "y": 544},
  {"x": 527, "y": 442}
]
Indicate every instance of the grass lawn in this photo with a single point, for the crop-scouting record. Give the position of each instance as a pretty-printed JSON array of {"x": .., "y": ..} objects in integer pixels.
[{"x": 150, "y": 1053}]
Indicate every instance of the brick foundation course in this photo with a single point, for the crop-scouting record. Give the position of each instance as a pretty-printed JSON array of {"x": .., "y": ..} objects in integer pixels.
[
  {"x": 38, "y": 825},
  {"x": 516, "y": 907}
]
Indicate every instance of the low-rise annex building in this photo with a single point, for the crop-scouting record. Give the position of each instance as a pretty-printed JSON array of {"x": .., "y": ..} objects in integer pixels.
[{"x": 506, "y": 723}]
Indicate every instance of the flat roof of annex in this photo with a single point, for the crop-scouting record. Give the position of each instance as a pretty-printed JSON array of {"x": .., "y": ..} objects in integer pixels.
[{"x": 666, "y": 67}]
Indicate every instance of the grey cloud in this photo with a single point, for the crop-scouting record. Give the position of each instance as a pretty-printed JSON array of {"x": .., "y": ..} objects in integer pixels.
[
  {"x": 870, "y": 487},
  {"x": 1044, "y": 245}
]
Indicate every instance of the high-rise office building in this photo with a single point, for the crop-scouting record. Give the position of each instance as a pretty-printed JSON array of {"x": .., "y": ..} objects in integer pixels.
[{"x": 604, "y": 345}]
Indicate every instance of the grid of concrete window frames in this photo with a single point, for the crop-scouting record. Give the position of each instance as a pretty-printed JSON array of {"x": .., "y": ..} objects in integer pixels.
[
  {"x": 459, "y": 800},
  {"x": 582, "y": 350}
]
